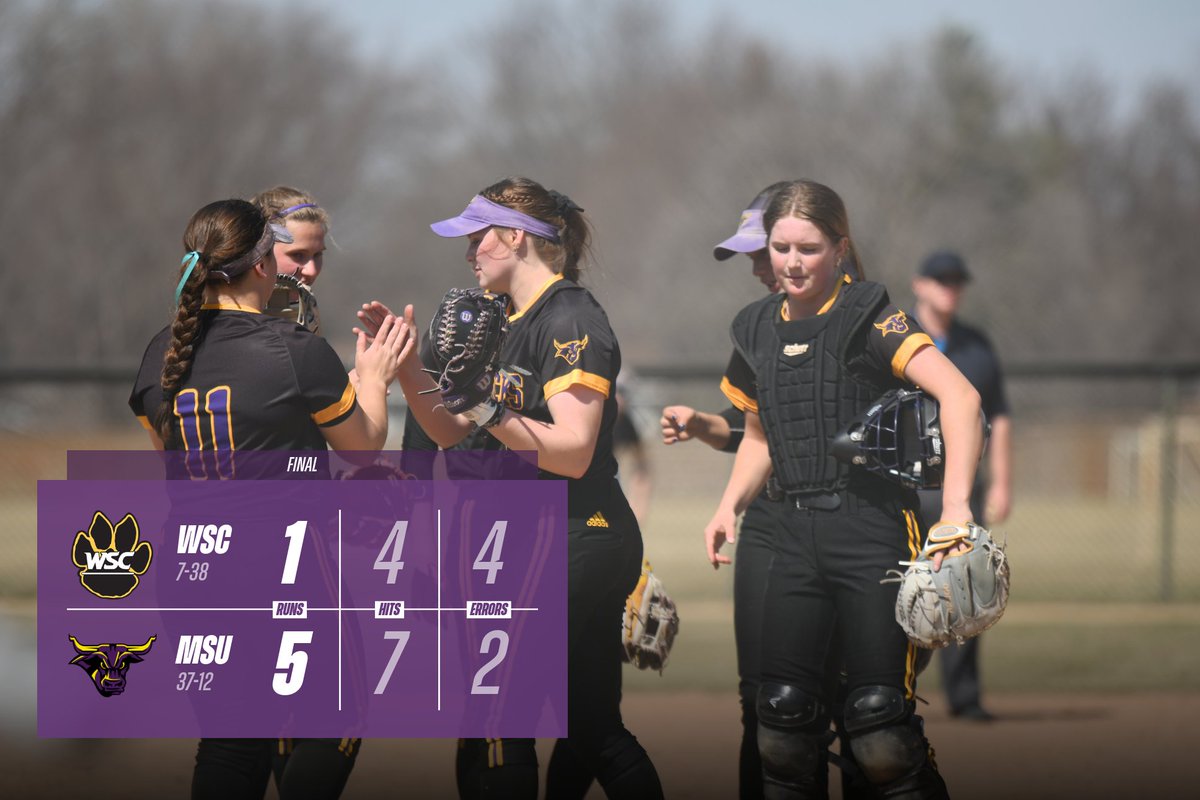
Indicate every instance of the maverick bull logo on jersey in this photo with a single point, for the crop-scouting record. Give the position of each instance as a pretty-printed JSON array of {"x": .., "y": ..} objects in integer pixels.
[
  {"x": 108, "y": 664},
  {"x": 110, "y": 558},
  {"x": 896, "y": 323},
  {"x": 570, "y": 351}
]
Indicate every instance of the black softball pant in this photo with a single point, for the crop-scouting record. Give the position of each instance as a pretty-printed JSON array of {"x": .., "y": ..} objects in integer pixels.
[
  {"x": 760, "y": 526},
  {"x": 751, "y": 564},
  {"x": 604, "y": 563},
  {"x": 825, "y": 581}
]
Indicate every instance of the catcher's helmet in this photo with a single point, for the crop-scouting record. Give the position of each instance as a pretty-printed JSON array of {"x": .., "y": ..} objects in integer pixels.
[
  {"x": 295, "y": 301},
  {"x": 899, "y": 438}
]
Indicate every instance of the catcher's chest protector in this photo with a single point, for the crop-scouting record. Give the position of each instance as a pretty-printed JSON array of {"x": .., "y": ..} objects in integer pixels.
[{"x": 808, "y": 384}]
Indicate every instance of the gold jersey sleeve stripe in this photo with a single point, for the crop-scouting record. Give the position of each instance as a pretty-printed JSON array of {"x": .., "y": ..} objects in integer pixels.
[
  {"x": 738, "y": 397},
  {"x": 907, "y": 350},
  {"x": 577, "y": 376},
  {"x": 338, "y": 407}
]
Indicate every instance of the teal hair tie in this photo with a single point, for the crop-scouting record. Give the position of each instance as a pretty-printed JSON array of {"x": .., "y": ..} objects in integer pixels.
[{"x": 191, "y": 260}]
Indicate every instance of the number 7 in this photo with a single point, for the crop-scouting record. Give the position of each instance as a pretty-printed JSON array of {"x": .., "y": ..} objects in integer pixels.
[{"x": 401, "y": 639}]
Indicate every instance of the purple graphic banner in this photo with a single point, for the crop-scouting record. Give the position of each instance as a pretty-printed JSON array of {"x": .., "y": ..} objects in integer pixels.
[{"x": 316, "y": 608}]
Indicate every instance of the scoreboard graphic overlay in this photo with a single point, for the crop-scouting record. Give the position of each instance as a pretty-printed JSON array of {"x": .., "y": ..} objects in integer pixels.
[{"x": 304, "y": 608}]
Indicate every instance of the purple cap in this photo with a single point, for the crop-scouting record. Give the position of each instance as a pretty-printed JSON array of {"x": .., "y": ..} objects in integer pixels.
[
  {"x": 750, "y": 236},
  {"x": 482, "y": 213}
]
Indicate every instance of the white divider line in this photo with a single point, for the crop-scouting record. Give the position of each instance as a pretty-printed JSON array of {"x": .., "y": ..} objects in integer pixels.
[
  {"x": 339, "y": 573},
  {"x": 439, "y": 610}
]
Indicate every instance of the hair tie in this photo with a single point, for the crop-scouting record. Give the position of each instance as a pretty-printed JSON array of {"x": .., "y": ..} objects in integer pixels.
[
  {"x": 191, "y": 260},
  {"x": 290, "y": 209},
  {"x": 562, "y": 203}
]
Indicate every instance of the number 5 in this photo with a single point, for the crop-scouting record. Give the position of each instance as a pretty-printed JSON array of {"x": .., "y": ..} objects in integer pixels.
[{"x": 293, "y": 663}]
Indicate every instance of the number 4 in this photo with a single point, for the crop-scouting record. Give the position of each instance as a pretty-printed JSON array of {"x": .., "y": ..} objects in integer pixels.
[
  {"x": 395, "y": 540},
  {"x": 496, "y": 540}
]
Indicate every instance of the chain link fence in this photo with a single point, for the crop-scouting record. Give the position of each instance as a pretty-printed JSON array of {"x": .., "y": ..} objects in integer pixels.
[{"x": 1106, "y": 470}]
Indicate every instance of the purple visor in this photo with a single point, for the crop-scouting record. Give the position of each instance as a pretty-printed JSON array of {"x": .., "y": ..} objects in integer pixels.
[
  {"x": 482, "y": 213},
  {"x": 751, "y": 236}
]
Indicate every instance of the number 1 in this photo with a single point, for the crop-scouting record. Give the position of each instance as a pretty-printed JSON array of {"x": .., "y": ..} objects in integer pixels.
[{"x": 295, "y": 533}]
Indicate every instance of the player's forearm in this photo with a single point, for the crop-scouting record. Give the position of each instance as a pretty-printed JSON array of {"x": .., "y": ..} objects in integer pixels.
[
  {"x": 751, "y": 468},
  {"x": 562, "y": 449},
  {"x": 712, "y": 429},
  {"x": 963, "y": 436},
  {"x": 372, "y": 399}
]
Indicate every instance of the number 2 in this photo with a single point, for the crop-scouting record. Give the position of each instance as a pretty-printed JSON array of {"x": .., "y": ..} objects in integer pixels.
[{"x": 477, "y": 686}]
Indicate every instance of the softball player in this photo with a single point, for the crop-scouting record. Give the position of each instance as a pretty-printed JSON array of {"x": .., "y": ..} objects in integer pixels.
[
  {"x": 308, "y": 224},
  {"x": 223, "y": 375},
  {"x": 558, "y": 367},
  {"x": 723, "y": 431},
  {"x": 316, "y": 768},
  {"x": 805, "y": 364}
]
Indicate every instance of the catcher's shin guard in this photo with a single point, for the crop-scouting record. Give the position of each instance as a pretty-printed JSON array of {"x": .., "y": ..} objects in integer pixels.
[
  {"x": 794, "y": 753},
  {"x": 888, "y": 742}
]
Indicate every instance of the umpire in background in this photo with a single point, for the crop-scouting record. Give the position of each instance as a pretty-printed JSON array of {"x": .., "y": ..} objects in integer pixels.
[{"x": 939, "y": 287}]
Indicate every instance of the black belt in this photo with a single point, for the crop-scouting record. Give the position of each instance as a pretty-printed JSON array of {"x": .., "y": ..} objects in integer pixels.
[{"x": 824, "y": 501}]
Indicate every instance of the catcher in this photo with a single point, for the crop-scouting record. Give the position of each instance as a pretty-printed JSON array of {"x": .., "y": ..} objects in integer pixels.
[
  {"x": 300, "y": 260},
  {"x": 806, "y": 363},
  {"x": 531, "y": 362}
]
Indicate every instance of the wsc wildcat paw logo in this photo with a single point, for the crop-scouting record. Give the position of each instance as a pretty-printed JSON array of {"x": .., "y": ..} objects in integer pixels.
[{"x": 110, "y": 559}]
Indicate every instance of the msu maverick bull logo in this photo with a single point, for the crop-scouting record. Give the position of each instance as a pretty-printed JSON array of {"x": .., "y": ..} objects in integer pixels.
[
  {"x": 896, "y": 323},
  {"x": 107, "y": 664},
  {"x": 570, "y": 351},
  {"x": 109, "y": 558}
]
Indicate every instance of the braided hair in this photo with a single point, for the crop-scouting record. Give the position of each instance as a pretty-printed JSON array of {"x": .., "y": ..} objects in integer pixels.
[
  {"x": 574, "y": 232},
  {"x": 216, "y": 234}
]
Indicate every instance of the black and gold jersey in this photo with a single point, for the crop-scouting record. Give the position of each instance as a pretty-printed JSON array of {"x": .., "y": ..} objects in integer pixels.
[
  {"x": 256, "y": 382},
  {"x": 562, "y": 339},
  {"x": 891, "y": 340}
]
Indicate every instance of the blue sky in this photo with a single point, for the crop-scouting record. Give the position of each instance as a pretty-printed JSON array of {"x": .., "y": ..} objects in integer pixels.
[{"x": 1126, "y": 43}]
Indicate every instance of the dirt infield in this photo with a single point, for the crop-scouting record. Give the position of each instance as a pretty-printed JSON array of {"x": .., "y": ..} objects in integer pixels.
[{"x": 1042, "y": 746}]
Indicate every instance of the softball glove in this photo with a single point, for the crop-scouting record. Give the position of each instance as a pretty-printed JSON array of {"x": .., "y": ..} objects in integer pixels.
[
  {"x": 961, "y": 600},
  {"x": 650, "y": 623},
  {"x": 465, "y": 337}
]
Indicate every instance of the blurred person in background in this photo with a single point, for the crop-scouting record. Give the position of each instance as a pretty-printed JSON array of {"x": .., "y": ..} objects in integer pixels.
[{"x": 939, "y": 287}]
